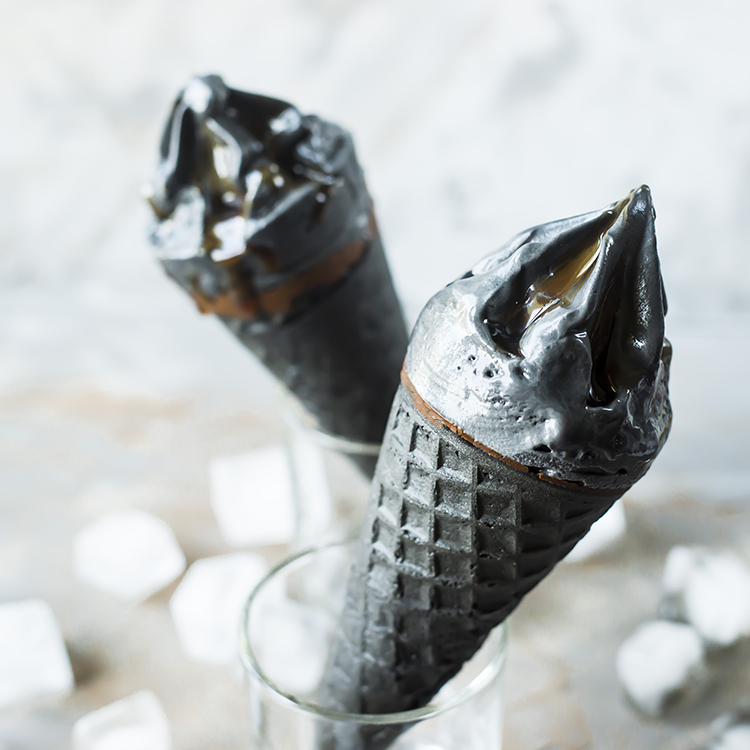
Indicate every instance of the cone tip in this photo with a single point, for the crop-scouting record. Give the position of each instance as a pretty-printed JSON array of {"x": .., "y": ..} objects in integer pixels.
[{"x": 640, "y": 200}]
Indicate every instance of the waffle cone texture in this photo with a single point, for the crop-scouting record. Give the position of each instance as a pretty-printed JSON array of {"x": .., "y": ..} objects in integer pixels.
[
  {"x": 453, "y": 539},
  {"x": 341, "y": 357}
]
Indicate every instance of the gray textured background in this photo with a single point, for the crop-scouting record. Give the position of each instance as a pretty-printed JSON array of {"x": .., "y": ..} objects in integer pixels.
[{"x": 473, "y": 120}]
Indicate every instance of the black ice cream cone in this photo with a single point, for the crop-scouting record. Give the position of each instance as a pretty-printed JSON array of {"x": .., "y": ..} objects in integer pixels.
[
  {"x": 460, "y": 524},
  {"x": 263, "y": 217}
]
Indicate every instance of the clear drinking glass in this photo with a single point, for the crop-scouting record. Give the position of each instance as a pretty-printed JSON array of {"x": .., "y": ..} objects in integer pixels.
[
  {"x": 284, "y": 639},
  {"x": 329, "y": 476}
]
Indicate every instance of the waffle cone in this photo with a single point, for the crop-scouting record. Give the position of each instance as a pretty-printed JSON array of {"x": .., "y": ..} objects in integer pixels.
[
  {"x": 453, "y": 539},
  {"x": 262, "y": 216},
  {"x": 341, "y": 357}
]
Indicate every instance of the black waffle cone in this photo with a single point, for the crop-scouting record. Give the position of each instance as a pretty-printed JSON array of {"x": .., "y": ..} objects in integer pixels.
[
  {"x": 453, "y": 539},
  {"x": 341, "y": 357},
  {"x": 263, "y": 217}
]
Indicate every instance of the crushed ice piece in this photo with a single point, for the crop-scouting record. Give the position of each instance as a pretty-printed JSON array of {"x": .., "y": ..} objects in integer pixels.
[
  {"x": 138, "y": 722},
  {"x": 128, "y": 553},
  {"x": 731, "y": 731},
  {"x": 605, "y": 532},
  {"x": 660, "y": 664},
  {"x": 207, "y": 605},
  {"x": 710, "y": 590},
  {"x": 33, "y": 658},
  {"x": 252, "y": 497}
]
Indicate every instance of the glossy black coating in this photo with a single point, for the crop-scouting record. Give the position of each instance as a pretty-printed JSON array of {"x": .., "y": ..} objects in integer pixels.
[
  {"x": 248, "y": 179},
  {"x": 551, "y": 351},
  {"x": 263, "y": 217}
]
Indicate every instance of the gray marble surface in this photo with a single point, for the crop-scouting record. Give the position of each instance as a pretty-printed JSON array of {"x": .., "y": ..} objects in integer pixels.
[
  {"x": 66, "y": 458},
  {"x": 473, "y": 120}
]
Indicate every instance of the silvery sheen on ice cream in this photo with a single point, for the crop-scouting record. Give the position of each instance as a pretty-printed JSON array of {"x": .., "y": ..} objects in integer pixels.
[
  {"x": 264, "y": 219},
  {"x": 533, "y": 395}
]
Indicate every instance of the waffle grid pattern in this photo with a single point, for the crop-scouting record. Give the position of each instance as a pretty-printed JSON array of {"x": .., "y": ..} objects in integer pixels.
[{"x": 452, "y": 541}]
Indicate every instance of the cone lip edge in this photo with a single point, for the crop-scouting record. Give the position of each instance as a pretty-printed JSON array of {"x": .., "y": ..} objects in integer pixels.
[{"x": 434, "y": 416}]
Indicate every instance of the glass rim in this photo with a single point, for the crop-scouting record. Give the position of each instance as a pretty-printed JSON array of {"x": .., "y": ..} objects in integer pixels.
[
  {"x": 480, "y": 681},
  {"x": 296, "y": 418}
]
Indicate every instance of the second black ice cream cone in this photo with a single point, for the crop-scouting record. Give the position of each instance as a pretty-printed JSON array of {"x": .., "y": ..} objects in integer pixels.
[
  {"x": 264, "y": 219},
  {"x": 533, "y": 395}
]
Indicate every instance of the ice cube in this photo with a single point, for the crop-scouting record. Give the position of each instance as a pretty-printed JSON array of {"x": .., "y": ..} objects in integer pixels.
[
  {"x": 731, "y": 731},
  {"x": 603, "y": 533},
  {"x": 710, "y": 590},
  {"x": 137, "y": 722},
  {"x": 677, "y": 568},
  {"x": 311, "y": 482},
  {"x": 33, "y": 658},
  {"x": 660, "y": 664},
  {"x": 291, "y": 644},
  {"x": 252, "y": 497},
  {"x": 128, "y": 553},
  {"x": 207, "y": 605}
]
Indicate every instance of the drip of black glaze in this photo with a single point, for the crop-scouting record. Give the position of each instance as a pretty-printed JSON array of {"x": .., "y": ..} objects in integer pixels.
[{"x": 603, "y": 271}]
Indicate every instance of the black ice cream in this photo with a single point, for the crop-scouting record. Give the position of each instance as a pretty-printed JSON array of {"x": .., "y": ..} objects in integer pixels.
[
  {"x": 533, "y": 395},
  {"x": 264, "y": 219}
]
